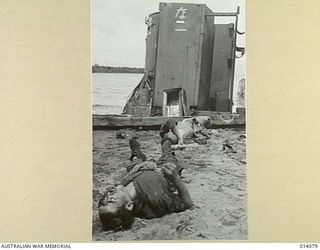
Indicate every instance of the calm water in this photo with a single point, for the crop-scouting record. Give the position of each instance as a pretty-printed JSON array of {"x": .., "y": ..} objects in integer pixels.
[{"x": 111, "y": 90}]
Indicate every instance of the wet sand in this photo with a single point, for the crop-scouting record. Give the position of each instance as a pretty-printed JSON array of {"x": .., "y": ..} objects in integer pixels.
[{"x": 215, "y": 178}]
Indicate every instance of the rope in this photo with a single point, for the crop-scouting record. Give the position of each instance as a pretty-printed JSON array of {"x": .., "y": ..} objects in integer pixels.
[{"x": 226, "y": 121}]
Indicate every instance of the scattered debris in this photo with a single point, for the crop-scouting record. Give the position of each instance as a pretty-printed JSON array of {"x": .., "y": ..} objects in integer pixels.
[
  {"x": 201, "y": 141},
  {"x": 243, "y": 136},
  {"x": 227, "y": 146},
  {"x": 202, "y": 235},
  {"x": 228, "y": 220},
  {"x": 120, "y": 135},
  {"x": 184, "y": 224},
  {"x": 243, "y": 161}
]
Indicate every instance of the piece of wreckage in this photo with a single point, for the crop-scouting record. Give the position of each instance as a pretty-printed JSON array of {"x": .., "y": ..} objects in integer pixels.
[{"x": 189, "y": 71}]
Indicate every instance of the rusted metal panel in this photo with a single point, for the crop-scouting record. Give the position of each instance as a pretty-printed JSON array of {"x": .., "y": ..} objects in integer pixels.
[
  {"x": 152, "y": 42},
  {"x": 222, "y": 68},
  {"x": 179, "y": 50},
  {"x": 206, "y": 63}
]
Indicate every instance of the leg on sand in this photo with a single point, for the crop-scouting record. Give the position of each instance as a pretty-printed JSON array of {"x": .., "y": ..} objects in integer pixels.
[
  {"x": 169, "y": 128},
  {"x": 135, "y": 149},
  {"x": 137, "y": 156},
  {"x": 168, "y": 156}
]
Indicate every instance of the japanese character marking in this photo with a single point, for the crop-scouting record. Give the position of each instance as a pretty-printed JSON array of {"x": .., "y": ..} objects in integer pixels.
[{"x": 181, "y": 13}]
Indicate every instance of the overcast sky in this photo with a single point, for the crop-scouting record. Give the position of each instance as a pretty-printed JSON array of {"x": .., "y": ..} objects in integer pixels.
[{"x": 119, "y": 31}]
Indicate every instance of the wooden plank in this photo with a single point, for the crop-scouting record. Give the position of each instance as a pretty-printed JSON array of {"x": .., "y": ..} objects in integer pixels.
[
  {"x": 210, "y": 113},
  {"x": 114, "y": 121},
  {"x": 119, "y": 122}
]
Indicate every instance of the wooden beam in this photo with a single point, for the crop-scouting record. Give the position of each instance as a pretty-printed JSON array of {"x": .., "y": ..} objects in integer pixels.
[
  {"x": 121, "y": 122},
  {"x": 211, "y": 113}
]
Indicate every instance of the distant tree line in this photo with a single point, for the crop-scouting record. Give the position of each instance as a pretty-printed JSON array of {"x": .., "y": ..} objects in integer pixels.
[{"x": 109, "y": 69}]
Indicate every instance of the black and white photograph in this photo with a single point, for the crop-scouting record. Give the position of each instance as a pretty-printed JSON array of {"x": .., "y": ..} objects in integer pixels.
[{"x": 169, "y": 120}]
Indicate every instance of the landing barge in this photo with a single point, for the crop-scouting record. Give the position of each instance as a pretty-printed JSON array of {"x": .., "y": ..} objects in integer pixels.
[{"x": 189, "y": 70}]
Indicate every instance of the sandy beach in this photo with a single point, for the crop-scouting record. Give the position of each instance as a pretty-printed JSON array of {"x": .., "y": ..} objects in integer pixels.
[{"x": 216, "y": 179}]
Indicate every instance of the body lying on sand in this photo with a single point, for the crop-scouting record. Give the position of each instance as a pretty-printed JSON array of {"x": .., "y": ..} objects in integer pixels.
[
  {"x": 213, "y": 172},
  {"x": 151, "y": 189}
]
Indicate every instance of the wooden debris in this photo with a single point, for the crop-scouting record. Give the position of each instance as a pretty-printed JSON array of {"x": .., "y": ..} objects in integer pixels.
[{"x": 120, "y": 122}]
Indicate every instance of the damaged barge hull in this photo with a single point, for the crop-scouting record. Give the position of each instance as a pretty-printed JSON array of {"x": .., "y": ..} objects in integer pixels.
[{"x": 111, "y": 122}]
